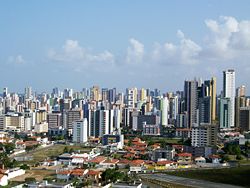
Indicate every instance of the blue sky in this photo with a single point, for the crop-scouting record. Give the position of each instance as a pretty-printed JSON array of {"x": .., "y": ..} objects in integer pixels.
[{"x": 152, "y": 44}]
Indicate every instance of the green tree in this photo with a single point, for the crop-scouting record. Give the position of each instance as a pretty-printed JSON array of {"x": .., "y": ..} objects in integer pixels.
[
  {"x": 130, "y": 142},
  {"x": 111, "y": 175},
  {"x": 163, "y": 144},
  {"x": 6, "y": 161},
  {"x": 25, "y": 167},
  {"x": 9, "y": 147},
  {"x": 30, "y": 180},
  {"x": 66, "y": 149}
]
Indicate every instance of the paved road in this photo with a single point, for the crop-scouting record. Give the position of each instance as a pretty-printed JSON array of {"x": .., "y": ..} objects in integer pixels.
[{"x": 186, "y": 181}]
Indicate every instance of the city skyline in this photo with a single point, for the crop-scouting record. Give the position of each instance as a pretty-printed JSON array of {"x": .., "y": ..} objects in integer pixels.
[
  {"x": 124, "y": 93},
  {"x": 121, "y": 45}
]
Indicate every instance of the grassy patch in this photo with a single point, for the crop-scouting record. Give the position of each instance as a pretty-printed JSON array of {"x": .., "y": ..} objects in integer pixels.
[
  {"x": 53, "y": 151},
  {"x": 235, "y": 176}
]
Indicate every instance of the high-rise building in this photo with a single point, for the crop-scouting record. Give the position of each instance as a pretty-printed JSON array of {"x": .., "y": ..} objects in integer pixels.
[
  {"x": 98, "y": 123},
  {"x": 191, "y": 100},
  {"x": 73, "y": 115},
  {"x": 41, "y": 116},
  {"x": 182, "y": 120},
  {"x": 80, "y": 131},
  {"x": 104, "y": 94},
  {"x": 241, "y": 91},
  {"x": 229, "y": 92},
  {"x": 95, "y": 93},
  {"x": 131, "y": 98},
  {"x": 240, "y": 101},
  {"x": 204, "y": 110},
  {"x": 112, "y": 95},
  {"x": 213, "y": 98},
  {"x": 204, "y": 135},
  {"x": 244, "y": 122},
  {"x": 225, "y": 113},
  {"x": 55, "y": 92},
  {"x": 5, "y": 92},
  {"x": 173, "y": 107},
  {"x": 54, "y": 120},
  {"x": 164, "y": 111},
  {"x": 28, "y": 92}
]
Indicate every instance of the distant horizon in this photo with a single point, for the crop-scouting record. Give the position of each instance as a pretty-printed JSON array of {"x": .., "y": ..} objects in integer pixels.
[{"x": 118, "y": 89}]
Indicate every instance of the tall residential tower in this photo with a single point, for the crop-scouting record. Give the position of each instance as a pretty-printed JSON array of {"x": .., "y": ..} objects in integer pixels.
[{"x": 229, "y": 92}]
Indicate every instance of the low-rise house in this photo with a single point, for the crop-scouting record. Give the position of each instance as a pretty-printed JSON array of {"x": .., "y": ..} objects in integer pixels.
[
  {"x": 136, "y": 166},
  {"x": 109, "y": 163},
  {"x": 63, "y": 175},
  {"x": 65, "y": 158},
  {"x": 123, "y": 163},
  {"x": 79, "y": 158},
  {"x": 20, "y": 145},
  {"x": 94, "y": 175},
  {"x": 163, "y": 165},
  {"x": 50, "y": 163},
  {"x": 200, "y": 160},
  {"x": 215, "y": 159},
  {"x": 69, "y": 174},
  {"x": 97, "y": 160},
  {"x": 184, "y": 158}
]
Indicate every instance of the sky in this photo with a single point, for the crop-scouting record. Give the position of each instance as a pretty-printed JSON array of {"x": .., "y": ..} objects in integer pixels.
[{"x": 126, "y": 43}]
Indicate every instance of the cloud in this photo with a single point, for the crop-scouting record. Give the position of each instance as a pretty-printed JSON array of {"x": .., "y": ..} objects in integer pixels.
[
  {"x": 18, "y": 60},
  {"x": 135, "y": 51},
  {"x": 186, "y": 52},
  {"x": 72, "y": 52},
  {"x": 227, "y": 40}
]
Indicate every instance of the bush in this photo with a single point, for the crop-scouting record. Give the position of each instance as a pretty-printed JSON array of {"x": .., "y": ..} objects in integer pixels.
[
  {"x": 239, "y": 157},
  {"x": 30, "y": 180},
  {"x": 25, "y": 167}
]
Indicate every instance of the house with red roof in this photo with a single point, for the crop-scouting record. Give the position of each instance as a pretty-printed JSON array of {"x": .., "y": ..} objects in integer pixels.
[
  {"x": 166, "y": 164},
  {"x": 109, "y": 163},
  {"x": 137, "y": 166},
  {"x": 69, "y": 174},
  {"x": 123, "y": 163},
  {"x": 184, "y": 158},
  {"x": 94, "y": 176}
]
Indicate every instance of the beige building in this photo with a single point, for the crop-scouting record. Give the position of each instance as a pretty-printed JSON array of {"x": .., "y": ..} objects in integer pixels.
[
  {"x": 41, "y": 116},
  {"x": 41, "y": 127},
  {"x": 12, "y": 122}
]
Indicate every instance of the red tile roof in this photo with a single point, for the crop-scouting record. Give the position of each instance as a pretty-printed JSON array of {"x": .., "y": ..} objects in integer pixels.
[
  {"x": 93, "y": 172},
  {"x": 137, "y": 162},
  {"x": 214, "y": 156},
  {"x": 184, "y": 155},
  {"x": 124, "y": 161},
  {"x": 112, "y": 161},
  {"x": 98, "y": 159}
]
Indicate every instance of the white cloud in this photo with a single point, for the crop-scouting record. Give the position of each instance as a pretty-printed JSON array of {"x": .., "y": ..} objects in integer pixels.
[
  {"x": 19, "y": 60},
  {"x": 72, "y": 52},
  {"x": 135, "y": 51},
  {"x": 186, "y": 52},
  {"x": 228, "y": 40}
]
